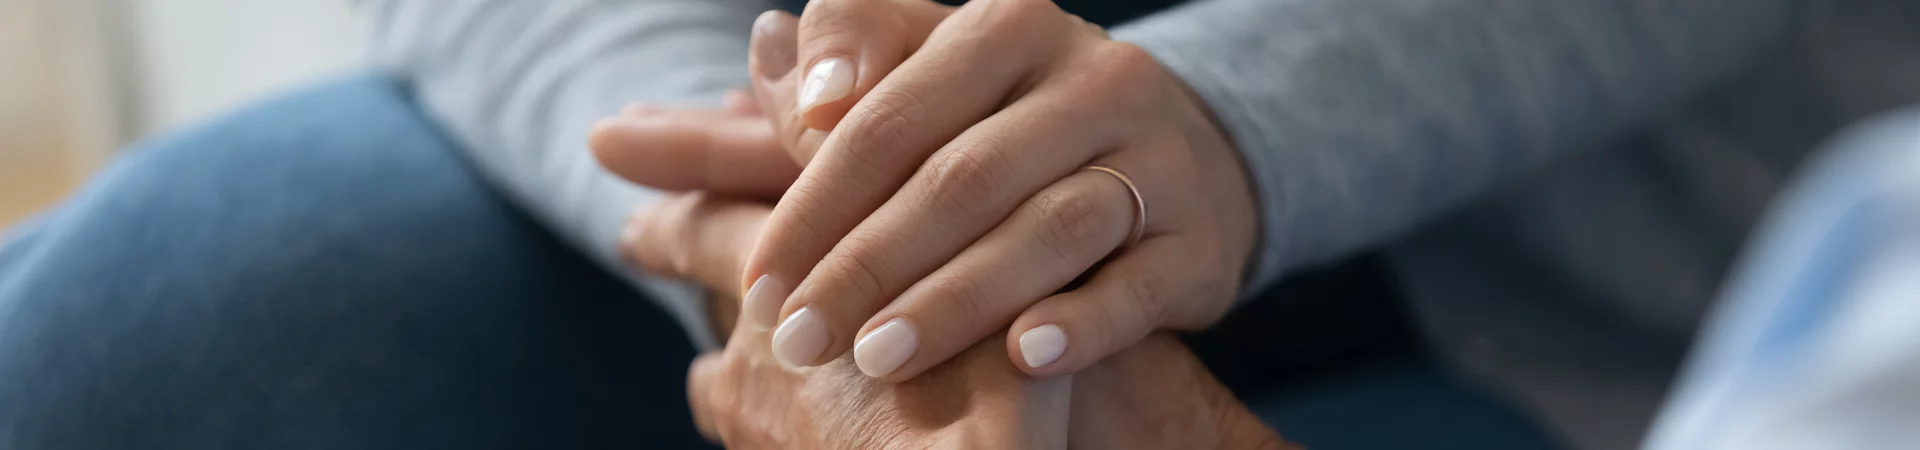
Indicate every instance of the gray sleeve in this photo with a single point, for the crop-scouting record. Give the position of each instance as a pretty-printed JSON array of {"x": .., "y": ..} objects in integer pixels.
[
  {"x": 518, "y": 83},
  {"x": 1357, "y": 119}
]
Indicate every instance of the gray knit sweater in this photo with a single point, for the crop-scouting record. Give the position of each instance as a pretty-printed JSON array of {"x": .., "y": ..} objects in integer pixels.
[{"x": 1558, "y": 184}]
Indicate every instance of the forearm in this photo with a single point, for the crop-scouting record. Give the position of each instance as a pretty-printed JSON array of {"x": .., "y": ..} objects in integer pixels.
[
  {"x": 1357, "y": 119},
  {"x": 519, "y": 83}
]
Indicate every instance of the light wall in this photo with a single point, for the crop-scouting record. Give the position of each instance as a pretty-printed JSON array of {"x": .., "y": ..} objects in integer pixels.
[
  {"x": 81, "y": 78},
  {"x": 205, "y": 56},
  {"x": 55, "y": 113}
]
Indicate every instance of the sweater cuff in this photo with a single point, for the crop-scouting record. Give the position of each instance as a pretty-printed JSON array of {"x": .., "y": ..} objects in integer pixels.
[
  {"x": 1195, "y": 61},
  {"x": 685, "y": 301}
]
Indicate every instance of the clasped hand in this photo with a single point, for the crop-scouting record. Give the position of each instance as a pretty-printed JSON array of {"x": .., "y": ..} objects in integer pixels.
[{"x": 926, "y": 164}]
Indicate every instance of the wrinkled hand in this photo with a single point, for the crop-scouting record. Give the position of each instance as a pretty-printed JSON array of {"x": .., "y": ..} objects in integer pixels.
[
  {"x": 1157, "y": 395},
  {"x": 948, "y": 204},
  {"x": 741, "y": 396},
  {"x": 977, "y": 400},
  {"x": 1152, "y": 395}
]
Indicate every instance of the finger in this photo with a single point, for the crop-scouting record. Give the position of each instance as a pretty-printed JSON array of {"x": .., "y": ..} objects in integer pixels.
[
  {"x": 922, "y": 105},
  {"x": 741, "y": 102},
  {"x": 848, "y": 46},
  {"x": 961, "y": 192},
  {"x": 965, "y": 189},
  {"x": 684, "y": 151},
  {"x": 1055, "y": 236},
  {"x": 1146, "y": 287},
  {"x": 696, "y": 236},
  {"x": 771, "y": 60},
  {"x": 701, "y": 382}
]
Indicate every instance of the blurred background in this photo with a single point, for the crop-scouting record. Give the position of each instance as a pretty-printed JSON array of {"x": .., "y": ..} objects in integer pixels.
[{"x": 80, "y": 79}]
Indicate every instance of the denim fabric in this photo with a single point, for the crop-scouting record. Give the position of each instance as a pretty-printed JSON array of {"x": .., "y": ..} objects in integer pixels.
[{"x": 321, "y": 271}]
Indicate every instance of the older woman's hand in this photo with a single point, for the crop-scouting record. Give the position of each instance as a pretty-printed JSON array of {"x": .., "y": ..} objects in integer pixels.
[
  {"x": 951, "y": 200},
  {"x": 1155, "y": 394},
  {"x": 743, "y": 398},
  {"x": 976, "y": 400}
]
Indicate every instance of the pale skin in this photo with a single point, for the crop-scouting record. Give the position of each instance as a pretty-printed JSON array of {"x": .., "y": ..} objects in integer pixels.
[
  {"x": 948, "y": 205},
  {"x": 1153, "y": 395},
  {"x": 730, "y": 164}
]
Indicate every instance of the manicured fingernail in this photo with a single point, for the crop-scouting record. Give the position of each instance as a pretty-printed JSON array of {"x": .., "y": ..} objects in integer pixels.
[
  {"x": 828, "y": 80},
  {"x": 1042, "y": 345},
  {"x": 800, "y": 339},
  {"x": 763, "y": 301},
  {"x": 886, "y": 348},
  {"x": 773, "y": 51}
]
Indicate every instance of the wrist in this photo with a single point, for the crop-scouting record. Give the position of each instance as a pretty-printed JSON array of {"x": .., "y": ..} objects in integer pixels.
[{"x": 1233, "y": 184}]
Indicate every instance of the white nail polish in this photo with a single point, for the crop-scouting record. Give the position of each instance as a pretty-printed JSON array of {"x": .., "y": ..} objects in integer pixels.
[
  {"x": 886, "y": 348},
  {"x": 800, "y": 340},
  {"x": 1042, "y": 345},
  {"x": 828, "y": 80},
  {"x": 763, "y": 301}
]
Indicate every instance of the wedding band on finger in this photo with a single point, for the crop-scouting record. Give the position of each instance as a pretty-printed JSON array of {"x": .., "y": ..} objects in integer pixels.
[{"x": 1139, "y": 203}]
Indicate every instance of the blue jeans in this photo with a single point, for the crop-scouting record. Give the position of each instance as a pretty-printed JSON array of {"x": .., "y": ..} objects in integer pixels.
[{"x": 322, "y": 270}]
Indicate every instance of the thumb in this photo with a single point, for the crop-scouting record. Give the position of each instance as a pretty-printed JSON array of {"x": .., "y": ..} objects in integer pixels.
[
  {"x": 771, "y": 59},
  {"x": 809, "y": 71},
  {"x": 697, "y": 236},
  {"x": 847, "y": 46}
]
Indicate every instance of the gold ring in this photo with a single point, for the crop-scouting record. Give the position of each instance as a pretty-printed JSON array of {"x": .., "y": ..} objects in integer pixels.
[{"x": 1139, "y": 203}]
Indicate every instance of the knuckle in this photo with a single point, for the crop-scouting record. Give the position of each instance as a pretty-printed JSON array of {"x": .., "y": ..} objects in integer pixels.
[
  {"x": 810, "y": 208},
  {"x": 1005, "y": 23},
  {"x": 1069, "y": 222},
  {"x": 827, "y": 18},
  {"x": 966, "y": 179},
  {"x": 673, "y": 222},
  {"x": 829, "y": 35},
  {"x": 1149, "y": 296},
  {"x": 858, "y": 268},
  {"x": 1119, "y": 67},
  {"x": 1128, "y": 57},
  {"x": 1106, "y": 320},
  {"x": 879, "y": 123},
  {"x": 963, "y": 294},
  {"x": 1016, "y": 14}
]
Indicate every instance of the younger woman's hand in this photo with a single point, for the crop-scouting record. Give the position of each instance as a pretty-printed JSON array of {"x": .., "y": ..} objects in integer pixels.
[
  {"x": 952, "y": 198},
  {"x": 1155, "y": 394}
]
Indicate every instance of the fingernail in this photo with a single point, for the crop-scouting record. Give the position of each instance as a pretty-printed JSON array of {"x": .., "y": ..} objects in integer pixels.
[
  {"x": 829, "y": 80},
  {"x": 1042, "y": 345},
  {"x": 773, "y": 50},
  {"x": 630, "y": 237},
  {"x": 800, "y": 339},
  {"x": 886, "y": 348},
  {"x": 763, "y": 301}
]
